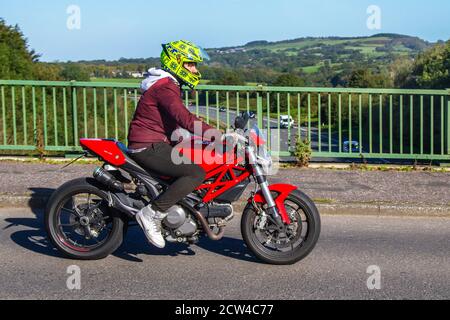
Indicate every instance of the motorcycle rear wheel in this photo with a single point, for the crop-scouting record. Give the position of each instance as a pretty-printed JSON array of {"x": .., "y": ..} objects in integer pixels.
[
  {"x": 70, "y": 225},
  {"x": 289, "y": 248}
]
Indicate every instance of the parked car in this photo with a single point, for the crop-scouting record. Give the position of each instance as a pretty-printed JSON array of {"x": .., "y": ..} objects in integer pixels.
[
  {"x": 354, "y": 146},
  {"x": 286, "y": 121}
]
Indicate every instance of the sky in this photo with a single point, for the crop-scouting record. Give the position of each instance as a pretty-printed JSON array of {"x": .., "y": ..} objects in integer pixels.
[{"x": 136, "y": 28}]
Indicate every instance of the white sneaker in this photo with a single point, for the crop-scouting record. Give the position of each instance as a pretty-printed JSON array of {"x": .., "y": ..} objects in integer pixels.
[{"x": 150, "y": 222}]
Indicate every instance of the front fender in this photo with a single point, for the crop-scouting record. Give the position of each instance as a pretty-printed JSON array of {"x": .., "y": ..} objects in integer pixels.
[{"x": 283, "y": 191}]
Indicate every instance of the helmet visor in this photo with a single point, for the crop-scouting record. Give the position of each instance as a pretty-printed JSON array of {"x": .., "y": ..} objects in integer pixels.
[{"x": 203, "y": 54}]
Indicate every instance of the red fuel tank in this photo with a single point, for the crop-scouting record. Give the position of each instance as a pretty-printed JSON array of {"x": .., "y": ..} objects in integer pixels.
[{"x": 204, "y": 154}]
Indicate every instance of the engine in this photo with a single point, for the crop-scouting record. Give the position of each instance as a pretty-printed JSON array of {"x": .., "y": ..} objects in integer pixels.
[
  {"x": 181, "y": 227},
  {"x": 180, "y": 224}
]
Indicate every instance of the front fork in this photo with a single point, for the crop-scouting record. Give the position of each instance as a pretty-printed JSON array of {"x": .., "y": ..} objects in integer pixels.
[{"x": 261, "y": 179}]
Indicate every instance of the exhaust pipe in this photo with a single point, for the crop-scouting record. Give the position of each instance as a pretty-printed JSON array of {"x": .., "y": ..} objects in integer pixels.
[
  {"x": 108, "y": 180},
  {"x": 213, "y": 236}
]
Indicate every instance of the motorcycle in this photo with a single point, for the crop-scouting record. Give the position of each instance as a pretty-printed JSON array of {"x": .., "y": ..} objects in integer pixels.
[{"x": 87, "y": 218}]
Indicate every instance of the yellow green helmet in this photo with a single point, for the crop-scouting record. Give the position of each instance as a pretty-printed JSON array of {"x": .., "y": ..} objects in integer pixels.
[{"x": 175, "y": 54}]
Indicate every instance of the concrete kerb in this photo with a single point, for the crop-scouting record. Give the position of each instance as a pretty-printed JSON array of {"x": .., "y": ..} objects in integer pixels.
[
  {"x": 383, "y": 210},
  {"x": 359, "y": 209},
  {"x": 24, "y": 201}
]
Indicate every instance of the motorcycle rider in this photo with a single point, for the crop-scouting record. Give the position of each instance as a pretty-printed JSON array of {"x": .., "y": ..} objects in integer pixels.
[{"x": 159, "y": 113}]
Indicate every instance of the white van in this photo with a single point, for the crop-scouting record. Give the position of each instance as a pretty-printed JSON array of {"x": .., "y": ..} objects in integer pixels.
[{"x": 286, "y": 121}]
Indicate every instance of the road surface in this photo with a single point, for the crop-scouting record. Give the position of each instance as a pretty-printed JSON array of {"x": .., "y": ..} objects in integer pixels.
[{"x": 410, "y": 253}]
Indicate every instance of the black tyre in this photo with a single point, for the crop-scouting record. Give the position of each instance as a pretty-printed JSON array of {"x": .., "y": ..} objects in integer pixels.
[
  {"x": 83, "y": 230},
  {"x": 269, "y": 245}
]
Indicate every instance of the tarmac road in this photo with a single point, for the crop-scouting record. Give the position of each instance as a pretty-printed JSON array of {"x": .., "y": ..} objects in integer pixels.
[{"x": 411, "y": 253}]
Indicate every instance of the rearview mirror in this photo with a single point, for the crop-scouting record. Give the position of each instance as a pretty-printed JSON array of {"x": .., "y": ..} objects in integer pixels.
[{"x": 241, "y": 121}]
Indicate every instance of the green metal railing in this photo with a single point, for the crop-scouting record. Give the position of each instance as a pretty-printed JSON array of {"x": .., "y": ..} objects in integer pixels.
[{"x": 384, "y": 123}]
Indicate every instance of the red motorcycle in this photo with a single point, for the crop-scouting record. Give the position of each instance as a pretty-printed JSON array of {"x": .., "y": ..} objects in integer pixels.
[{"x": 87, "y": 218}]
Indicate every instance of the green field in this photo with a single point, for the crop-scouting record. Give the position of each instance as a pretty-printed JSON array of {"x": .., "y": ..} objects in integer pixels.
[
  {"x": 302, "y": 43},
  {"x": 314, "y": 69},
  {"x": 367, "y": 46},
  {"x": 311, "y": 69}
]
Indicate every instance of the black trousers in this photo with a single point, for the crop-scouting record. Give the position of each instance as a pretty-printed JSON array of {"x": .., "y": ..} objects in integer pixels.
[{"x": 157, "y": 158}]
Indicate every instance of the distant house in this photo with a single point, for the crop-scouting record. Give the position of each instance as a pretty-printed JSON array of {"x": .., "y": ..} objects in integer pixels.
[
  {"x": 137, "y": 74},
  {"x": 231, "y": 50}
]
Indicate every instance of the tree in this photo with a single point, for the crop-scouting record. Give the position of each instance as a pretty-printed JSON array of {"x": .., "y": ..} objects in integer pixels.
[
  {"x": 16, "y": 60},
  {"x": 400, "y": 71},
  {"x": 229, "y": 77},
  {"x": 432, "y": 68},
  {"x": 47, "y": 71},
  {"x": 366, "y": 78},
  {"x": 360, "y": 79},
  {"x": 74, "y": 71},
  {"x": 289, "y": 80},
  {"x": 285, "y": 80},
  {"x": 338, "y": 80}
]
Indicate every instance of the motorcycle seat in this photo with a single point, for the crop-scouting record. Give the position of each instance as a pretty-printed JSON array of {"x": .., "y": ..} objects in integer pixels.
[
  {"x": 123, "y": 147},
  {"x": 126, "y": 152}
]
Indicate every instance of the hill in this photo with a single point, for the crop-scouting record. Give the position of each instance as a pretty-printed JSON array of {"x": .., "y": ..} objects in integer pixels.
[
  {"x": 320, "y": 61},
  {"x": 309, "y": 54}
]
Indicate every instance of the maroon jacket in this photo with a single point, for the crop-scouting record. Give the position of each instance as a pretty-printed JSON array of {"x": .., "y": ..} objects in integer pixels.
[{"x": 160, "y": 112}]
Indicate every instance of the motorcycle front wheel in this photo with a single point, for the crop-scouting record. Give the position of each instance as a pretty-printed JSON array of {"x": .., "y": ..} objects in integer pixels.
[
  {"x": 272, "y": 246},
  {"x": 79, "y": 222}
]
